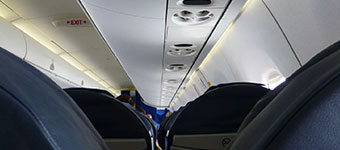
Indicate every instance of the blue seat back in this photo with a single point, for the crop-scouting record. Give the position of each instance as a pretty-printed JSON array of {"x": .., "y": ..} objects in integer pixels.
[
  {"x": 110, "y": 117},
  {"x": 303, "y": 113},
  {"x": 220, "y": 110},
  {"x": 37, "y": 114}
]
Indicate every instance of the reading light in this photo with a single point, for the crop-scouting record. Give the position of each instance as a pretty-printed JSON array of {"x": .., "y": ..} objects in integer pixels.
[{"x": 70, "y": 59}]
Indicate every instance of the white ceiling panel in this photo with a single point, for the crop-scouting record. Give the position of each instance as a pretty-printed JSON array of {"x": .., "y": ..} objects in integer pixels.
[
  {"x": 151, "y": 9},
  {"x": 95, "y": 55},
  {"x": 188, "y": 34},
  {"x": 317, "y": 26},
  {"x": 214, "y": 4},
  {"x": 42, "y": 8},
  {"x": 135, "y": 38}
]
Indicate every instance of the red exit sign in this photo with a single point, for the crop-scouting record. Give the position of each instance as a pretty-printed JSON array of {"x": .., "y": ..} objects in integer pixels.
[
  {"x": 76, "y": 22},
  {"x": 72, "y": 22}
]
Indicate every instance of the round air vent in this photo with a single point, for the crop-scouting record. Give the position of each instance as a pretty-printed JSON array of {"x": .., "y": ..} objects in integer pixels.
[
  {"x": 170, "y": 88},
  {"x": 175, "y": 67},
  {"x": 167, "y": 93},
  {"x": 166, "y": 96},
  {"x": 182, "y": 50},
  {"x": 171, "y": 81},
  {"x": 186, "y": 17}
]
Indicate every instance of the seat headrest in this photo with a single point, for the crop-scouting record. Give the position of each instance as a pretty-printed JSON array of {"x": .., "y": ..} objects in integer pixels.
[
  {"x": 110, "y": 117},
  {"x": 219, "y": 111},
  {"x": 37, "y": 114},
  {"x": 303, "y": 113}
]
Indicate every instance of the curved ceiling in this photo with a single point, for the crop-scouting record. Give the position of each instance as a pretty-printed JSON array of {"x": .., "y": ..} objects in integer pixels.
[
  {"x": 148, "y": 36},
  {"x": 135, "y": 33}
]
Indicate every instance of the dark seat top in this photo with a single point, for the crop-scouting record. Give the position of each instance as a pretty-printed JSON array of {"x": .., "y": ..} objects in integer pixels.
[
  {"x": 37, "y": 114},
  {"x": 109, "y": 116},
  {"x": 301, "y": 113}
]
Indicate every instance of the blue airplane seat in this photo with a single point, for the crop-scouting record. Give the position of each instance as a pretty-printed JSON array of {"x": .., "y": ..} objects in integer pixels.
[
  {"x": 213, "y": 118},
  {"x": 35, "y": 113},
  {"x": 120, "y": 126},
  {"x": 300, "y": 114},
  {"x": 165, "y": 126}
]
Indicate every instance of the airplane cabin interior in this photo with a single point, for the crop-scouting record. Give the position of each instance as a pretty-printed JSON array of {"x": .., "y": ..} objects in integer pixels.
[{"x": 169, "y": 74}]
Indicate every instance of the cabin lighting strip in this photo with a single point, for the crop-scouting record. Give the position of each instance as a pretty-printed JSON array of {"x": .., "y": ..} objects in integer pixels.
[{"x": 32, "y": 31}]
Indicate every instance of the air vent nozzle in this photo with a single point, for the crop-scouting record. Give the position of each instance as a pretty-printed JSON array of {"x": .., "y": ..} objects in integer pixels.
[
  {"x": 170, "y": 88},
  {"x": 182, "y": 50},
  {"x": 171, "y": 81},
  {"x": 186, "y": 17},
  {"x": 176, "y": 67}
]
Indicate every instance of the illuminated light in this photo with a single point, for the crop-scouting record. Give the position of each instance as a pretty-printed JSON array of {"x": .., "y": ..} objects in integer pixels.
[
  {"x": 70, "y": 59},
  {"x": 129, "y": 89},
  {"x": 103, "y": 83},
  {"x": 274, "y": 79},
  {"x": 34, "y": 32},
  {"x": 92, "y": 75},
  {"x": 113, "y": 91},
  {"x": 31, "y": 30},
  {"x": 7, "y": 13},
  {"x": 245, "y": 6},
  {"x": 193, "y": 74},
  {"x": 209, "y": 83},
  {"x": 208, "y": 57}
]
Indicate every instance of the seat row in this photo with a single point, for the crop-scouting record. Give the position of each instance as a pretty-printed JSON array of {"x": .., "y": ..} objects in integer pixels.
[
  {"x": 213, "y": 117},
  {"x": 301, "y": 113}
]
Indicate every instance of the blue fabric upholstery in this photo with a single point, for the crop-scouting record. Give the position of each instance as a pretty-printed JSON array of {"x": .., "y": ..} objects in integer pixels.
[
  {"x": 166, "y": 125},
  {"x": 271, "y": 95},
  {"x": 221, "y": 110},
  {"x": 36, "y": 114},
  {"x": 110, "y": 117},
  {"x": 303, "y": 113}
]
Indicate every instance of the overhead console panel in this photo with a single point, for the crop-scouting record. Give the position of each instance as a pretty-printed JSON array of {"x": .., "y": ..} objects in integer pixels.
[
  {"x": 160, "y": 43},
  {"x": 189, "y": 25}
]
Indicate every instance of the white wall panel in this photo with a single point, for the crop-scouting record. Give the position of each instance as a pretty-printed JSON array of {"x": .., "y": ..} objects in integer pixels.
[
  {"x": 217, "y": 69},
  {"x": 255, "y": 44},
  {"x": 199, "y": 84},
  {"x": 310, "y": 25},
  {"x": 12, "y": 39},
  {"x": 20, "y": 44},
  {"x": 42, "y": 57},
  {"x": 251, "y": 50}
]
